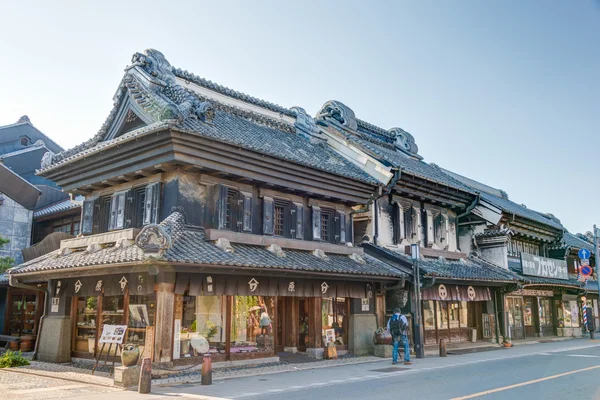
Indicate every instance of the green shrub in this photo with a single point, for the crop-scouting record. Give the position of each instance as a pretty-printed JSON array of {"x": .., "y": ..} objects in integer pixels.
[{"x": 12, "y": 359}]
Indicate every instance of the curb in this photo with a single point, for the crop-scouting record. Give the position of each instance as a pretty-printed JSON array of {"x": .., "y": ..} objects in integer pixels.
[{"x": 56, "y": 377}]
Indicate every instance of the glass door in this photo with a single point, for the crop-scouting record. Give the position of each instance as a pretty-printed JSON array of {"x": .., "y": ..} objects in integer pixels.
[
  {"x": 85, "y": 325},
  {"x": 514, "y": 307}
]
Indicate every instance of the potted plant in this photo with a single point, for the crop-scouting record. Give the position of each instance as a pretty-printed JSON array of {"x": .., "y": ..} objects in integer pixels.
[{"x": 506, "y": 341}]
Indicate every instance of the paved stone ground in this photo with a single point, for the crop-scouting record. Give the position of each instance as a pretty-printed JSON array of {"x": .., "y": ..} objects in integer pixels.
[{"x": 20, "y": 386}]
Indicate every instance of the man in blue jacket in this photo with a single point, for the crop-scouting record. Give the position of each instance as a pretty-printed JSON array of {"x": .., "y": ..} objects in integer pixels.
[{"x": 397, "y": 326}]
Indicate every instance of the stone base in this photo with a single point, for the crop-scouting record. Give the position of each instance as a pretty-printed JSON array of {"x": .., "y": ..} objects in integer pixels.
[
  {"x": 127, "y": 376},
  {"x": 55, "y": 340},
  {"x": 383, "y": 350},
  {"x": 360, "y": 338},
  {"x": 316, "y": 352},
  {"x": 292, "y": 350}
]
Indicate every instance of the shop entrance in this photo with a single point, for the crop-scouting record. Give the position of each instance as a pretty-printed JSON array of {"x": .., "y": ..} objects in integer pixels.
[
  {"x": 514, "y": 309},
  {"x": 298, "y": 323}
]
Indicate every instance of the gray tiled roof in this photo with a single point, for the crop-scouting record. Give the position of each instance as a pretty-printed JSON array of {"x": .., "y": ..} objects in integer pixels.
[
  {"x": 500, "y": 199},
  {"x": 522, "y": 211},
  {"x": 61, "y": 206},
  {"x": 467, "y": 269},
  {"x": 4, "y": 279},
  {"x": 591, "y": 286},
  {"x": 190, "y": 246},
  {"x": 515, "y": 266},
  {"x": 573, "y": 241}
]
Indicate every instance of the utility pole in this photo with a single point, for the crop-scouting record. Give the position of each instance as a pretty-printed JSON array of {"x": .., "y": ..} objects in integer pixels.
[{"x": 416, "y": 255}]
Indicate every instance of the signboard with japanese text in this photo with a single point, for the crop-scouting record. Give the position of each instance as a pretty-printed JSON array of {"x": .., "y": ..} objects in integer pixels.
[
  {"x": 113, "y": 334},
  {"x": 544, "y": 267}
]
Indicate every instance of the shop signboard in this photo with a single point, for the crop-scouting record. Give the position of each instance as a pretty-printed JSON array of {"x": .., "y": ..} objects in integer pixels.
[
  {"x": 544, "y": 267},
  {"x": 113, "y": 334},
  {"x": 532, "y": 293}
]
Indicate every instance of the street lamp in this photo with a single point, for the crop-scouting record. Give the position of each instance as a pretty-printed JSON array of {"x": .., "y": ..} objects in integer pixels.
[{"x": 415, "y": 254}]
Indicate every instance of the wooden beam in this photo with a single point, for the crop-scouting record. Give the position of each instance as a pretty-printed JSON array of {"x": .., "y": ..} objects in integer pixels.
[{"x": 143, "y": 172}]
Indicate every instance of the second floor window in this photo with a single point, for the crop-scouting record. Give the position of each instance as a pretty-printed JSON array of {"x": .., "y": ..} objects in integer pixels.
[
  {"x": 325, "y": 225},
  {"x": 279, "y": 220}
]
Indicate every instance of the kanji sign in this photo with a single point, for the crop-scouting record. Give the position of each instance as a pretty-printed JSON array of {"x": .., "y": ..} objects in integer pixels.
[{"x": 544, "y": 267}]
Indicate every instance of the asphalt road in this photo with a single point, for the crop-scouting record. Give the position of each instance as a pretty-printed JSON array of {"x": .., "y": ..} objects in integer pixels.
[
  {"x": 542, "y": 371},
  {"x": 564, "y": 370}
]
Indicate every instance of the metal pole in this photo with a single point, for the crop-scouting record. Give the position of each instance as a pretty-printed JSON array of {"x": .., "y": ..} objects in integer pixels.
[{"x": 419, "y": 349}]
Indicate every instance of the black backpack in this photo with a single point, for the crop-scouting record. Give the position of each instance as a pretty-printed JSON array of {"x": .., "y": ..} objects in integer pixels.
[{"x": 397, "y": 326}]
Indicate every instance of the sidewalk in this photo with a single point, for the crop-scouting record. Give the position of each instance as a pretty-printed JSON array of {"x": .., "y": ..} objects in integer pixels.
[{"x": 80, "y": 370}]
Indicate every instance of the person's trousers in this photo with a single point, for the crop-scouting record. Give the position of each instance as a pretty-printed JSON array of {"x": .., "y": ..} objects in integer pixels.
[{"x": 404, "y": 340}]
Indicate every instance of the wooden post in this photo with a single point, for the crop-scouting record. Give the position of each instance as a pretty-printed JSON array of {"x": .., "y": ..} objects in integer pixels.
[
  {"x": 442, "y": 348},
  {"x": 315, "y": 321},
  {"x": 229, "y": 306},
  {"x": 165, "y": 305},
  {"x": 380, "y": 310},
  {"x": 291, "y": 322},
  {"x": 206, "y": 370},
  {"x": 145, "y": 384}
]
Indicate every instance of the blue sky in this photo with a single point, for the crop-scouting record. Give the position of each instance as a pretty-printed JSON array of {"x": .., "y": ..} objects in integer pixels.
[{"x": 505, "y": 92}]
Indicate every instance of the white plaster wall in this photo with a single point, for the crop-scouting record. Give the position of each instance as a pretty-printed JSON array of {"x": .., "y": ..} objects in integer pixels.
[
  {"x": 15, "y": 225},
  {"x": 386, "y": 227}
]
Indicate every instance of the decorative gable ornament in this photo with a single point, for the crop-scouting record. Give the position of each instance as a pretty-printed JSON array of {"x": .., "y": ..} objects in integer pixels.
[
  {"x": 93, "y": 247},
  {"x": 306, "y": 126},
  {"x": 253, "y": 284},
  {"x": 405, "y": 142},
  {"x": 358, "y": 258},
  {"x": 337, "y": 112},
  {"x": 47, "y": 159},
  {"x": 153, "y": 239},
  {"x": 319, "y": 253},
  {"x": 277, "y": 250},
  {"x": 224, "y": 245}
]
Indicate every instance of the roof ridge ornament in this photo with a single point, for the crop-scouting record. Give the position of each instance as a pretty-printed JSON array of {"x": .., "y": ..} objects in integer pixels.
[
  {"x": 319, "y": 253},
  {"x": 224, "y": 245},
  {"x": 337, "y": 112},
  {"x": 404, "y": 142},
  {"x": 306, "y": 125},
  {"x": 277, "y": 250},
  {"x": 153, "y": 239}
]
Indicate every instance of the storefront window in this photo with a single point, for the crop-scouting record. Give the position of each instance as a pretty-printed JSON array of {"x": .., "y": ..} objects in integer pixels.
[
  {"x": 23, "y": 314},
  {"x": 252, "y": 324},
  {"x": 515, "y": 312},
  {"x": 113, "y": 313},
  {"x": 85, "y": 334},
  {"x": 453, "y": 313},
  {"x": 528, "y": 311},
  {"x": 463, "y": 314},
  {"x": 568, "y": 314},
  {"x": 203, "y": 316},
  {"x": 545, "y": 312},
  {"x": 428, "y": 315},
  {"x": 334, "y": 317},
  {"x": 442, "y": 314},
  {"x": 142, "y": 311}
]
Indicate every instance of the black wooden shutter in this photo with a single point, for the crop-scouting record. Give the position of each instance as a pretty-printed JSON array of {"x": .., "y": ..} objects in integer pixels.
[
  {"x": 297, "y": 226},
  {"x": 129, "y": 209},
  {"x": 120, "y": 216},
  {"x": 114, "y": 208},
  {"x": 151, "y": 206},
  {"x": 247, "y": 212},
  {"x": 267, "y": 216},
  {"x": 341, "y": 227},
  {"x": 316, "y": 222},
  {"x": 220, "y": 215},
  {"x": 87, "y": 217}
]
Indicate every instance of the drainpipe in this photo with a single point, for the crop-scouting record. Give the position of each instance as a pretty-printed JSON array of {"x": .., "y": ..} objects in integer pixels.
[
  {"x": 467, "y": 211},
  {"x": 13, "y": 282}
]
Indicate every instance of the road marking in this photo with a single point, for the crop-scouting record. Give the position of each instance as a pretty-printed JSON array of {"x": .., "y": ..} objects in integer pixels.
[
  {"x": 582, "y": 355},
  {"x": 501, "y": 389},
  {"x": 545, "y": 354},
  {"x": 47, "y": 389}
]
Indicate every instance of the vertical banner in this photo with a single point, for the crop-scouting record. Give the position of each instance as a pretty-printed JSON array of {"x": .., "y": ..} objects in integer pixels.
[
  {"x": 148, "y": 344},
  {"x": 177, "y": 340}
]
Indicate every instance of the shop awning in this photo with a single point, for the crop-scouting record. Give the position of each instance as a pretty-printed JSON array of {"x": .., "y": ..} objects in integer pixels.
[{"x": 450, "y": 292}]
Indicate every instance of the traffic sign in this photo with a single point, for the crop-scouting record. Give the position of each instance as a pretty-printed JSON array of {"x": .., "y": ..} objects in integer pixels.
[
  {"x": 584, "y": 261},
  {"x": 586, "y": 270},
  {"x": 584, "y": 253}
]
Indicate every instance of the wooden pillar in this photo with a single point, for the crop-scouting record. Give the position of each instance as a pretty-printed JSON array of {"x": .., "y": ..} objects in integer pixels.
[
  {"x": 165, "y": 308},
  {"x": 314, "y": 323},
  {"x": 380, "y": 310},
  {"x": 291, "y": 322},
  {"x": 229, "y": 308}
]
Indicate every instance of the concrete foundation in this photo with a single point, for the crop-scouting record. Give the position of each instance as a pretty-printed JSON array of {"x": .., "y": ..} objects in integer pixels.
[
  {"x": 360, "y": 338},
  {"x": 127, "y": 377},
  {"x": 383, "y": 350},
  {"x": 315, "y": 352},
  {"x": 292, "y": 350},
  {"x": 55, "y": 340}
]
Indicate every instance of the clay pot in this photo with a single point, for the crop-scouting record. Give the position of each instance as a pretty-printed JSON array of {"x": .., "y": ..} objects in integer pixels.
[
  {"x": 26, "y": 345},
  {"x": 14, "y": 346},
  {"x": 507, "y": 344},
  {"x": 381, "y": 336},
  {"x": 130, "y": 355}
]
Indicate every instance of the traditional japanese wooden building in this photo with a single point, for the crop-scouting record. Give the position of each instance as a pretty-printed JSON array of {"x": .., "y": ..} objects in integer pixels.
[
  {"x": 420, "y": 204},
  {"x": 208, "y": 213},
  {"x": 509, "y": 235}
]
